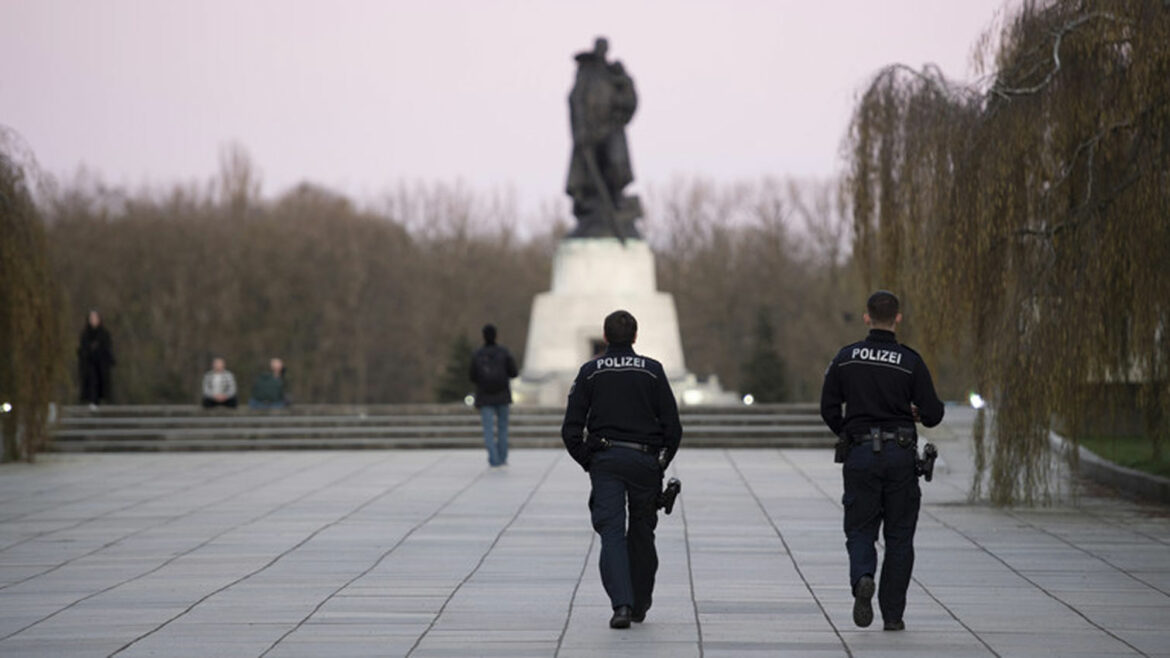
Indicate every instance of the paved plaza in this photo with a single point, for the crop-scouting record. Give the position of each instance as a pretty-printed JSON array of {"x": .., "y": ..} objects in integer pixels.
[{"x": 430, "y": 553}]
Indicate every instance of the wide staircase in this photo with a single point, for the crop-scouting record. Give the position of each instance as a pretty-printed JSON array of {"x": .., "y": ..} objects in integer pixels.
[{"x": 324, "y": 427}]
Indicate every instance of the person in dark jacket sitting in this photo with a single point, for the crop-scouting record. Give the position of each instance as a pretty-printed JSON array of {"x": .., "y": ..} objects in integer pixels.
[
  {"x": 492, "y": 367},
  {"x": 268, "y": 391}
]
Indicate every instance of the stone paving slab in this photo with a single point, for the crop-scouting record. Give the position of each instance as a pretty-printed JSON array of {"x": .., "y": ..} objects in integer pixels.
[{"x": 430, "y": 553}]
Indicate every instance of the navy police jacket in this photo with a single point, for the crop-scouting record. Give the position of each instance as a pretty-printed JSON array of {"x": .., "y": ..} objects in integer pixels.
[
  {"x": 877, "y": 379},
  {"x": 624, "y": 396}
]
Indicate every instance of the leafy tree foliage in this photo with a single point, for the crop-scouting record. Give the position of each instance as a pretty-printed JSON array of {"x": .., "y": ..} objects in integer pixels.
[
  {"x": 455, "y": 384},
  {"x": 763, "y": 372},
  {"x": 1025, "y": 220},
  {"x": 30, "y": 335}
]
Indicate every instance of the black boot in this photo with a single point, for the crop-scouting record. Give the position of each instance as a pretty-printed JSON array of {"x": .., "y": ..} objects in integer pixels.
[
  {"x": 862, "y": 608},
  {"x": 621, "y": 617}
]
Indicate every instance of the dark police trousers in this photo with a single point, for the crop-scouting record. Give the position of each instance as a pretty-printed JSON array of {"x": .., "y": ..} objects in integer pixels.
[
  {"x": 628, "y": 558},
  {"x": 881, "y": 489}
]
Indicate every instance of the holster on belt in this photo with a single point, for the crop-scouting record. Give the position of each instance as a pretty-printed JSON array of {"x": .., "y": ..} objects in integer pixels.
[{"x": 841, "y": 448}]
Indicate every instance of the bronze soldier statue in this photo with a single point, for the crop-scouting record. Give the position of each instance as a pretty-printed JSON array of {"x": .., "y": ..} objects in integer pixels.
[{"x": 602, "y": 102}]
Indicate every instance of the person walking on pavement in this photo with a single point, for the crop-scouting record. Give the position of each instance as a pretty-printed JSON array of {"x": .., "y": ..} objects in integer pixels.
[
  {"x": 492, "y": 368},
  {"x": 622, "y": 426},
  {"x": 885, "y": 388}
]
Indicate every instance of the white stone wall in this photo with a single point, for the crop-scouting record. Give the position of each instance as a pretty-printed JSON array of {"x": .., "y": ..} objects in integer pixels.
[{"x": 591, "y": 279}]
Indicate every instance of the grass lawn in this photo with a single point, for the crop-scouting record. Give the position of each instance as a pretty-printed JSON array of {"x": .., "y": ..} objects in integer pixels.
[{"x": 1131, "y": 451}]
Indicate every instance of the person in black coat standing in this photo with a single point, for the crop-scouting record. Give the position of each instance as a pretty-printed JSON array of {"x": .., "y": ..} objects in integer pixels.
[
  {"x": 95, "y": 357},
  {"x": 492, "y": 367}
]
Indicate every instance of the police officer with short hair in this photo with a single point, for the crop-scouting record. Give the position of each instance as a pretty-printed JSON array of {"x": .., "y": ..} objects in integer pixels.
[
  {"x": 885, "y": 387},
  {"x": 621, "y": 424}
]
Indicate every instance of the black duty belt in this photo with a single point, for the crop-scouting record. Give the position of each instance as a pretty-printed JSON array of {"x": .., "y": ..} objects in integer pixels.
[
  {"x": 905, "y": 436},
  {"x": 866, "y": 438},
  {"x": 640, "y": 447}
]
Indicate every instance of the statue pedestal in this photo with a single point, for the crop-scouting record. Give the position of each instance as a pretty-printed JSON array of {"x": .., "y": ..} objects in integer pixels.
[{"x": 592, "y": 277}]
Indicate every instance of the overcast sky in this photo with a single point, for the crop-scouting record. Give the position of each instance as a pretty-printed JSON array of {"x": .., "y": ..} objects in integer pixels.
[{"x": 360, "y": 95}]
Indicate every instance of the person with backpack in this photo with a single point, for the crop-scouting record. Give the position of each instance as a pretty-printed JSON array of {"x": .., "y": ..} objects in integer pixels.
[{"x": 492, "y": 367}]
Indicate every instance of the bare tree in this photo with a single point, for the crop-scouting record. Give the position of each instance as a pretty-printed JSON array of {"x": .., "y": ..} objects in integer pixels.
[{"x": 726, "y": 252}]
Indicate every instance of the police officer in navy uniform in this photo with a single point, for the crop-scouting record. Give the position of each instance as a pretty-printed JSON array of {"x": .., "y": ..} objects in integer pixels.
[
  {"x": 621, "y": 424},
  {"x": 885, "y": 387}
]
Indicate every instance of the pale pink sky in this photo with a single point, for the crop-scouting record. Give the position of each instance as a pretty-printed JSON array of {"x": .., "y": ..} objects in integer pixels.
[{"x": 358, "y": 95}]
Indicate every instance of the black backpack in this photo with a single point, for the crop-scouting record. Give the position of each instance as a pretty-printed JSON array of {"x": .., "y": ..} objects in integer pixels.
[{"x": 491, "y": 371}]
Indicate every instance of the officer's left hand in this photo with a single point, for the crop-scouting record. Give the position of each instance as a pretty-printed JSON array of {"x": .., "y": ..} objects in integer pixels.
[
  {"x": 914, "y": 412},
  {"x": 594, "y": 444}
]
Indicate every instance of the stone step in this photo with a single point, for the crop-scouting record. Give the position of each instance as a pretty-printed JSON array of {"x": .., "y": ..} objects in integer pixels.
[
  {"x": 228, "y": 420},
  {"x": 194, "y": 411},
  {"x": 404, "y": 442},
  {"x": 324, "y": 427},
  {"x": 396, "y": 430}
]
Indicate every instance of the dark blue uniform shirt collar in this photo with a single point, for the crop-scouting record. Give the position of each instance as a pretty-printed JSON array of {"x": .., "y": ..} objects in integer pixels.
[
  {"x": 881, "y": 336},
  {"x": 620, "y": 348}
]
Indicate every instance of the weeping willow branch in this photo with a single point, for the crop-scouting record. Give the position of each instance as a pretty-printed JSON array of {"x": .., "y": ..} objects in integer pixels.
[
  {"x": 30, "y": 340},
  {"x": 1006, "y": 92},
  {"x": 1027, "y": 222}
]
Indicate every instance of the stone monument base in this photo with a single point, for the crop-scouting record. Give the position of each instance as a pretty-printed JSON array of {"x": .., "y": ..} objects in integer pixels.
[{"x": 592, "y": 277}]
